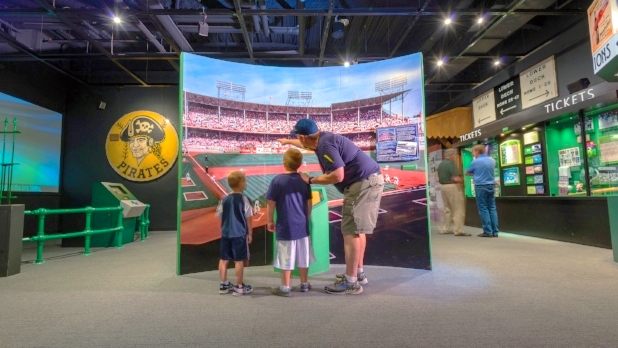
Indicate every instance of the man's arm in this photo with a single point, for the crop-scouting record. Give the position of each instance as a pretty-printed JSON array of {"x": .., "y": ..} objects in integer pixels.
[
  {"x": 294, "y": 142},
  {"x": 334, "y": 177}
]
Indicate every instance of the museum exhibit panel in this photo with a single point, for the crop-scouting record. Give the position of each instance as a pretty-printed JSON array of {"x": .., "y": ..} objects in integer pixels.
[{"x": 233, "y": 123}]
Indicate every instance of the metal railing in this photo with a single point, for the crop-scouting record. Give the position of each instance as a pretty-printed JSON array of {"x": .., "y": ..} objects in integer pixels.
[{"x": 41, "y": 237}]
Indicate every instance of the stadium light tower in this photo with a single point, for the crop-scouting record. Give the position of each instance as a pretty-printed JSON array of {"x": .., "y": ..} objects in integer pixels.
[
  {"x": 390, "y": 86},
  {"x": 299, "y": 98},
  {"x": 231, "y": 91}
]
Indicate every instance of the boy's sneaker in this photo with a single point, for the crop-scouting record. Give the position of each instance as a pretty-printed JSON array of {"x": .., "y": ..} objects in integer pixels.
[
  {"x": 242, "y": 289},
  {"x": 225, "y": 288},
  {"x": 362, "y": 279},
  {"x": 343, "y": 286},
  {"x": 305, "y": 287},
  {"x": 278, "y": 292}
]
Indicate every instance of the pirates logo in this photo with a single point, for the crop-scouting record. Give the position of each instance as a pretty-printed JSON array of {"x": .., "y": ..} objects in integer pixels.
[{"x": 142, "y": 146}]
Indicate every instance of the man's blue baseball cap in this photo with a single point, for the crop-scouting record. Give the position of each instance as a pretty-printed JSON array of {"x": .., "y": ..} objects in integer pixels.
[{"x": 305, "y": 126}]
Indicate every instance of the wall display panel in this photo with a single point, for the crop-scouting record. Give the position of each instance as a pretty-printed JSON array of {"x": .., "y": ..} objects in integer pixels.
[
  {"x": 37, "y": 147},
  {"x": 233, "y": 116},
  {"x": 510, "y": 153}
]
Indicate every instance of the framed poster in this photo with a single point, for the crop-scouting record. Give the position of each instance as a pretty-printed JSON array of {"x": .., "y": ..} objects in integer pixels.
[
  {"x": 529, "y": 160},
  {"x": 397, "y": 144},
  {"x": 531, "y": 190},
  {"x": 530, "y": 180},
  {"x": 608, "y": 149},
  {"x": 528, "y": 150},
  {"x": 540, "y": 189},
  {"x": 529, "y": 170},
  {"x": 587, "y": 123},
  {"x": 510, "y": 153},
  {"x": 538, "y": 179},
  {"x": 608, "y": 119},
  {"x": 531, "y": 137},
  {"x": 569, "y": 157},
  {"x": 536, "y": 148},
  {"x": 537, "y": 159},
  {"x": 511, "y": 176},
  {"x": 538, "y": 169}
]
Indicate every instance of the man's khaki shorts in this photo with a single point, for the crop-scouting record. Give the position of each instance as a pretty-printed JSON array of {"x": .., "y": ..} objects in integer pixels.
[{"x": 361, "y": 204}]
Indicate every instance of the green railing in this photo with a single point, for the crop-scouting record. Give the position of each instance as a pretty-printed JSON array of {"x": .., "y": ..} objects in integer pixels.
[
  {"x": 40, "y": 237},
  {"x": 144, "y": 222}
]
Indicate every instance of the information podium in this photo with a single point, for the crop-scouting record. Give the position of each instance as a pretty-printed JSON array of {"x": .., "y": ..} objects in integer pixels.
[
  {"x": 319, "y": 233},
  {"x": 108, "y": 194}
]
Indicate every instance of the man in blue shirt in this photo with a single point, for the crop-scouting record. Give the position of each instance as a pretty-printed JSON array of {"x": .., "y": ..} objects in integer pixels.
[
  {"x": 482, "y": 170},
  {"x": 358, "y": 177}
]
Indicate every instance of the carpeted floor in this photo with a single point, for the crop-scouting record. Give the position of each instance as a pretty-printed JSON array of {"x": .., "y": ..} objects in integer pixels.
[{"x": 511, "y": 291}]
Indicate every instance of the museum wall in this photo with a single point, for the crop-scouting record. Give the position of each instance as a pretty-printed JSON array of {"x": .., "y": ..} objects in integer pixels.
[{"x": 85, "y": 161}]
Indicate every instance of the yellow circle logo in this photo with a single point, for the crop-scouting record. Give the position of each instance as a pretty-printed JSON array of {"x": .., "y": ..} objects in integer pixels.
[{"x": 142, "y": 146}]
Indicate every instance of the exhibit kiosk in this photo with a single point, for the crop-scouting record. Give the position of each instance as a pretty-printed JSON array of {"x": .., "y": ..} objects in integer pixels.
[
  {"x": 319, "y": 232},
  {"x": 556, "y": 167},
  {"x": 107, "y": 194}
]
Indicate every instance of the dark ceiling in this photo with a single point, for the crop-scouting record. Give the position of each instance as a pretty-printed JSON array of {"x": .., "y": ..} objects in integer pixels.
[{"x": 79, "y": 38}]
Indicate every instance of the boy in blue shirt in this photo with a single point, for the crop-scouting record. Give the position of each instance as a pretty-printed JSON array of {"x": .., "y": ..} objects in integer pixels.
[
  {"x": 291, "y": 196},
  {"x": 235, "y": 212}
]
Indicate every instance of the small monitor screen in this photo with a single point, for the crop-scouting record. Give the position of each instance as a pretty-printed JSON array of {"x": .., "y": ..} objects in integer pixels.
[{"x": 118, "y": 190}]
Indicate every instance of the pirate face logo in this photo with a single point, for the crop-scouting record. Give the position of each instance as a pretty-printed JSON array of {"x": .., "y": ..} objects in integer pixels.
[{"x": 142, "y": 146}]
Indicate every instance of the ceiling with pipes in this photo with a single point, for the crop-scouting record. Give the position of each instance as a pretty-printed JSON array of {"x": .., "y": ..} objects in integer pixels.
[{"x": 82, "y": 39}]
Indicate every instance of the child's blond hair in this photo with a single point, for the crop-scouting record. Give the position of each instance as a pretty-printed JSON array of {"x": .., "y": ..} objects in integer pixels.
[
  {"x": 236, "y": 179},
  {"x": 292, "y": 159}
]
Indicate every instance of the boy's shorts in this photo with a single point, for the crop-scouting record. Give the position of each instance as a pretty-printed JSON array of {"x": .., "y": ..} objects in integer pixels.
[
  {"x": 290, "y": 252},
  {"x": 235, "y": 249}
]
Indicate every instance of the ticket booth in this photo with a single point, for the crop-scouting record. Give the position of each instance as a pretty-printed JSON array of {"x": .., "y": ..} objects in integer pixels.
[
  {"x": 319, "y": 232},
  {"x": 107, "y": 194}
]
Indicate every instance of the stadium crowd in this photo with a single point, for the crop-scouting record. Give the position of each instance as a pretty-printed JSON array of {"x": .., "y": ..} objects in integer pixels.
[{"x": 203, "y": 116}]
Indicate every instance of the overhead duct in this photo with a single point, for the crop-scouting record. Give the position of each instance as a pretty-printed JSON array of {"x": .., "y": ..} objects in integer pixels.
[
  {"x": 256, "y": 21},
  {"x": 264, "y": 19},
  {"x": 169, "y": 25},
  {"x": 244, "y": 3}
]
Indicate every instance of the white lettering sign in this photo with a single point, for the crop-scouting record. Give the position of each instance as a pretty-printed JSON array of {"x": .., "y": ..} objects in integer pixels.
[
  {"x": 471, "y": 135},
  {"x": 570, "y": 100},
  {"x": 483, "y": 110},
  {"x": 605, "y": 54},
  {"x": 538, "y": 84}
]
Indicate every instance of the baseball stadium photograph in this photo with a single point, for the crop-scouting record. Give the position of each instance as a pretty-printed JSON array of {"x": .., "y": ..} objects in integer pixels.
[{"x": 238, "y": 118}]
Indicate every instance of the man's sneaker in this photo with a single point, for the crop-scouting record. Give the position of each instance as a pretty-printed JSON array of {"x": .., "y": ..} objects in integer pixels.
[
  {"x": 362, "y": 279},
  {"x": 343, "y": 286},
  {"x": 278, "y": 292},
  {"x": 305, "y": 287},
  {"x": 226, "y": 288},
  {"x": 242, "y": 289}
]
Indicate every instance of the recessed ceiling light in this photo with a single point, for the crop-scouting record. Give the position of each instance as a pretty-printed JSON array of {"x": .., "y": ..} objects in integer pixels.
[
  {"x": 447, "y": 21},
  {"x": 117, "y": 20}
]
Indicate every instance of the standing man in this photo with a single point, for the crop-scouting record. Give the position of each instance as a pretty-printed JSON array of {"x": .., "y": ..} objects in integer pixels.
[
  {"x": 482, "y": 170},
  {"x": 358, "y": 177},
  {"x": 451, "y": 189}
]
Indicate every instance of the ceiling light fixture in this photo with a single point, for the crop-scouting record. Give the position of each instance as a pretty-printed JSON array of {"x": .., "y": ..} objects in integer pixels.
[
  {"x": 440, "y": 62},
  {"x": 497, "y": 62},
  {"x": 346, "y": 64},
  {"x": 117, "y": 20},
  {"x": 447, "y": 21},
  {"x": 339, "y": 27},
  {"x": 202, "y": 27},
  {"x": 480, "y": 20}
]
